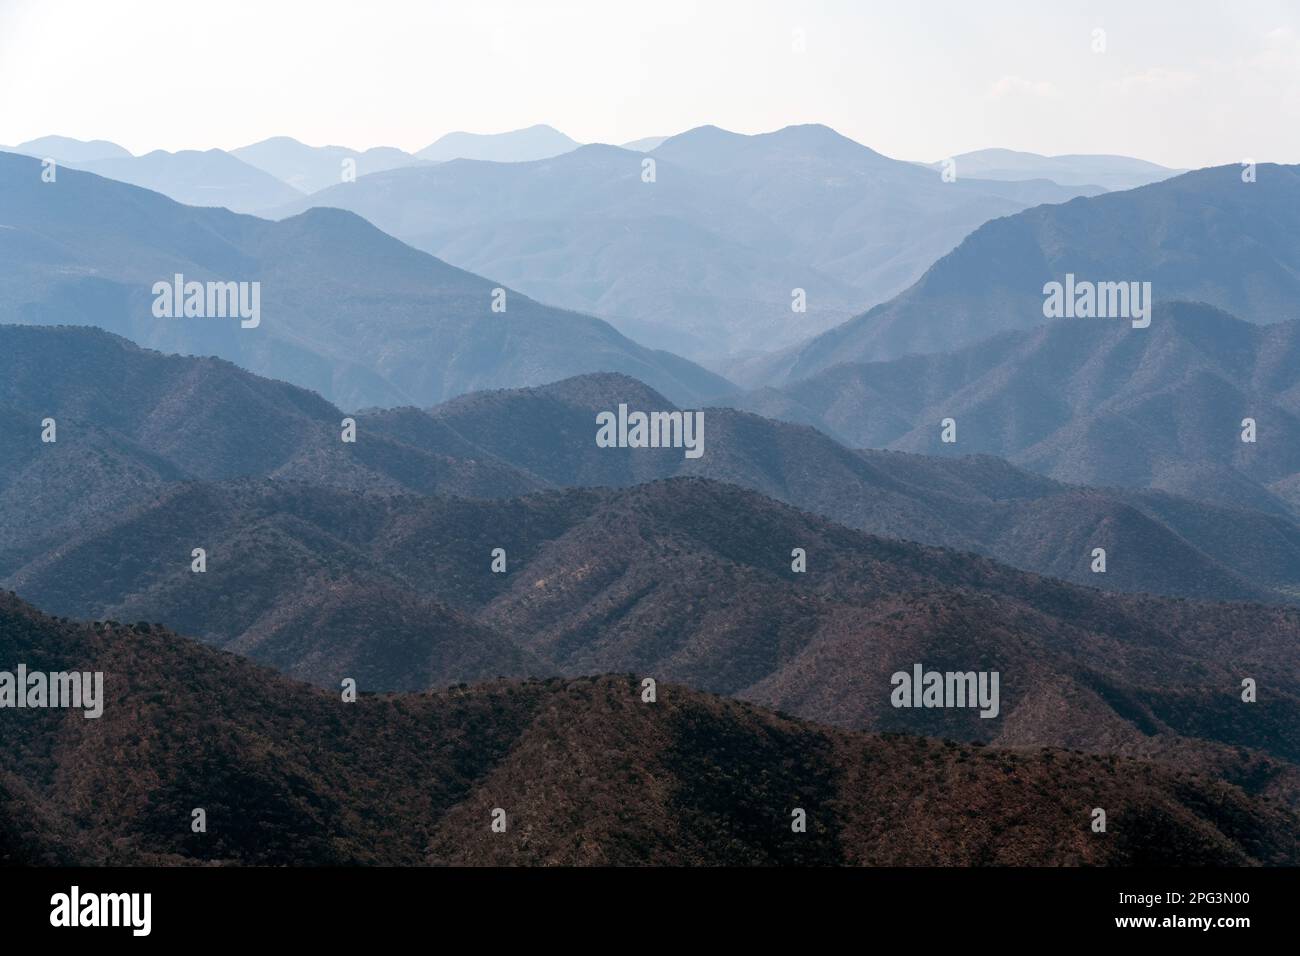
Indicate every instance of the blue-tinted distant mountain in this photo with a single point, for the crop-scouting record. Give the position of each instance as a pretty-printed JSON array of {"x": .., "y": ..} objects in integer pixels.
[
  {"x": 345, "y": 309},
  {"x": 312, "y": 168},
  {"x": 208, "y": 178},
  {"x": 677, "y": 260},
  {"x": 196, "y": 178},
  {"x": 705, "y": 258},
  {"x": 1088, "y": 401},
  {"x": 1109, "y": 172},
  {"x": 67, "y": 150},
  {"x": 516, "y": 146},
  {"x": 1203, "y": 236},
  {"x": 855, "y": 213},
  {"x": 645, "y": 144}
]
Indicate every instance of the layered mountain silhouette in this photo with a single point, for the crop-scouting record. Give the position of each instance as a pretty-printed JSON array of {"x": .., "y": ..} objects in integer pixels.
[
  {"x": 703, "y": 258},
  {"x": 311, "y": 168},
  {"x": 131, "y": 420},
  {"x": 688, "y": 581},
  {"x": 210, "y": 177},
  {"x": 65, "y": 149},
  {"x": 127, "y": 428},
  {"x": 516, "y": 146},
  {"x": 1222, "y": 236},
  {"x": 1245, "y": 547},
  {"x": 198, "y": 178},
  {"x": 645, "y": 144},
  {"x": 1089, "y": 401},
  {"x": 1108, "y": 172},
  {"x": 288, "y": 167},
  {"x": 344, "y": 309},
  {"x": 586, "y": 772}
]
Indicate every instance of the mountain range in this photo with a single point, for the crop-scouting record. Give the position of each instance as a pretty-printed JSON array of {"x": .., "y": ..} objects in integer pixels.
[
  {"x": 1106, "y": 172},
  {"x": 706, "y": 266},
  {"x": 687, "y": 581},
  {"x": 1087, "y": 401},
  {"x": 703, "y": 255},
  {"x": 128, "y": 428},
  {"x": 517, "y": 146},
  {"x": 1221, "y": 236},
  {"x": 344, "y": 309},
  {"x": 209, "y": 178},
  {"x": 276, "y": 171},
  {"x": 65, "y": 149},
  {"x": 194, "y": 177},
  {"x": 352, "y": 559},
  {"x": 311, "y": 168},
  {"x": 1244, "y": 547},
  {"x": 645, "y": 144},
  {"x": 397, "y": 472},
  {"x": 585, "y": 772}
]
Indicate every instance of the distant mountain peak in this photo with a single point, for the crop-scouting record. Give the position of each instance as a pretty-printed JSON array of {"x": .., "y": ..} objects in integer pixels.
[
  {"x": 1109, "y": 171},
  {"x": 276, "y": 141},
  {"x": 591, "y": 390},
  {"x": 348, "y": 298},
  {"x": 808, "y": 143},
  {"x": 69, "y": 150},
  {"x": 539, "y": 141}
]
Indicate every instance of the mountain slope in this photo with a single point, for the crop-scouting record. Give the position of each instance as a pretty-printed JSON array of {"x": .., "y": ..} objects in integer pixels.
[
  {"x": 704, "y": 256},
  {"x": 311, "y": 168},
  {"x": 645, "y": 144},
  {"x": 586, "y": 773},
  {"x": 1087, "y": 401},
  {"x": 198, "y": 178},
  {"x": 1204, "y": 236},
  {"x": 687, "y": 581},
  {"x": 1241, "y": 549},
  {"x": 520, "y": 145},
  {"x": 68, "y": 150},
  {"x": 131, "y": 421},
  {"x": 1109, "y": 172},
  {"x": 345, "y": 310}
]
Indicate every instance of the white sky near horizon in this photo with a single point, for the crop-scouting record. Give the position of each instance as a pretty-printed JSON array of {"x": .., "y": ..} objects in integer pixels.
[{"x": 1184, "y": 84}]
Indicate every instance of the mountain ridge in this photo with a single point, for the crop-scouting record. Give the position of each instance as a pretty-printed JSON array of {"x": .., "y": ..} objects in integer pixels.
[
  {"x": 994, "y": 280},
  {"x": 586, "y": 772},
  {"x": 698, "y": 245},
  {"x": 144, "y": 432},
  {"x": 346, "y": 310},
  {"x": 690, "y": 581},
  {"x": 1087, "y": 401}
]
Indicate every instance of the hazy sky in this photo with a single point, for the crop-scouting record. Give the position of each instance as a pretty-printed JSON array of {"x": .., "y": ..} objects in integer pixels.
[{"x": 1181, "y": 83}]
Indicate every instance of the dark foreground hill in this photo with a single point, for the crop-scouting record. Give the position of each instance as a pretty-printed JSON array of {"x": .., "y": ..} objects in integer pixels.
[{"x": 584, "y": 770}]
